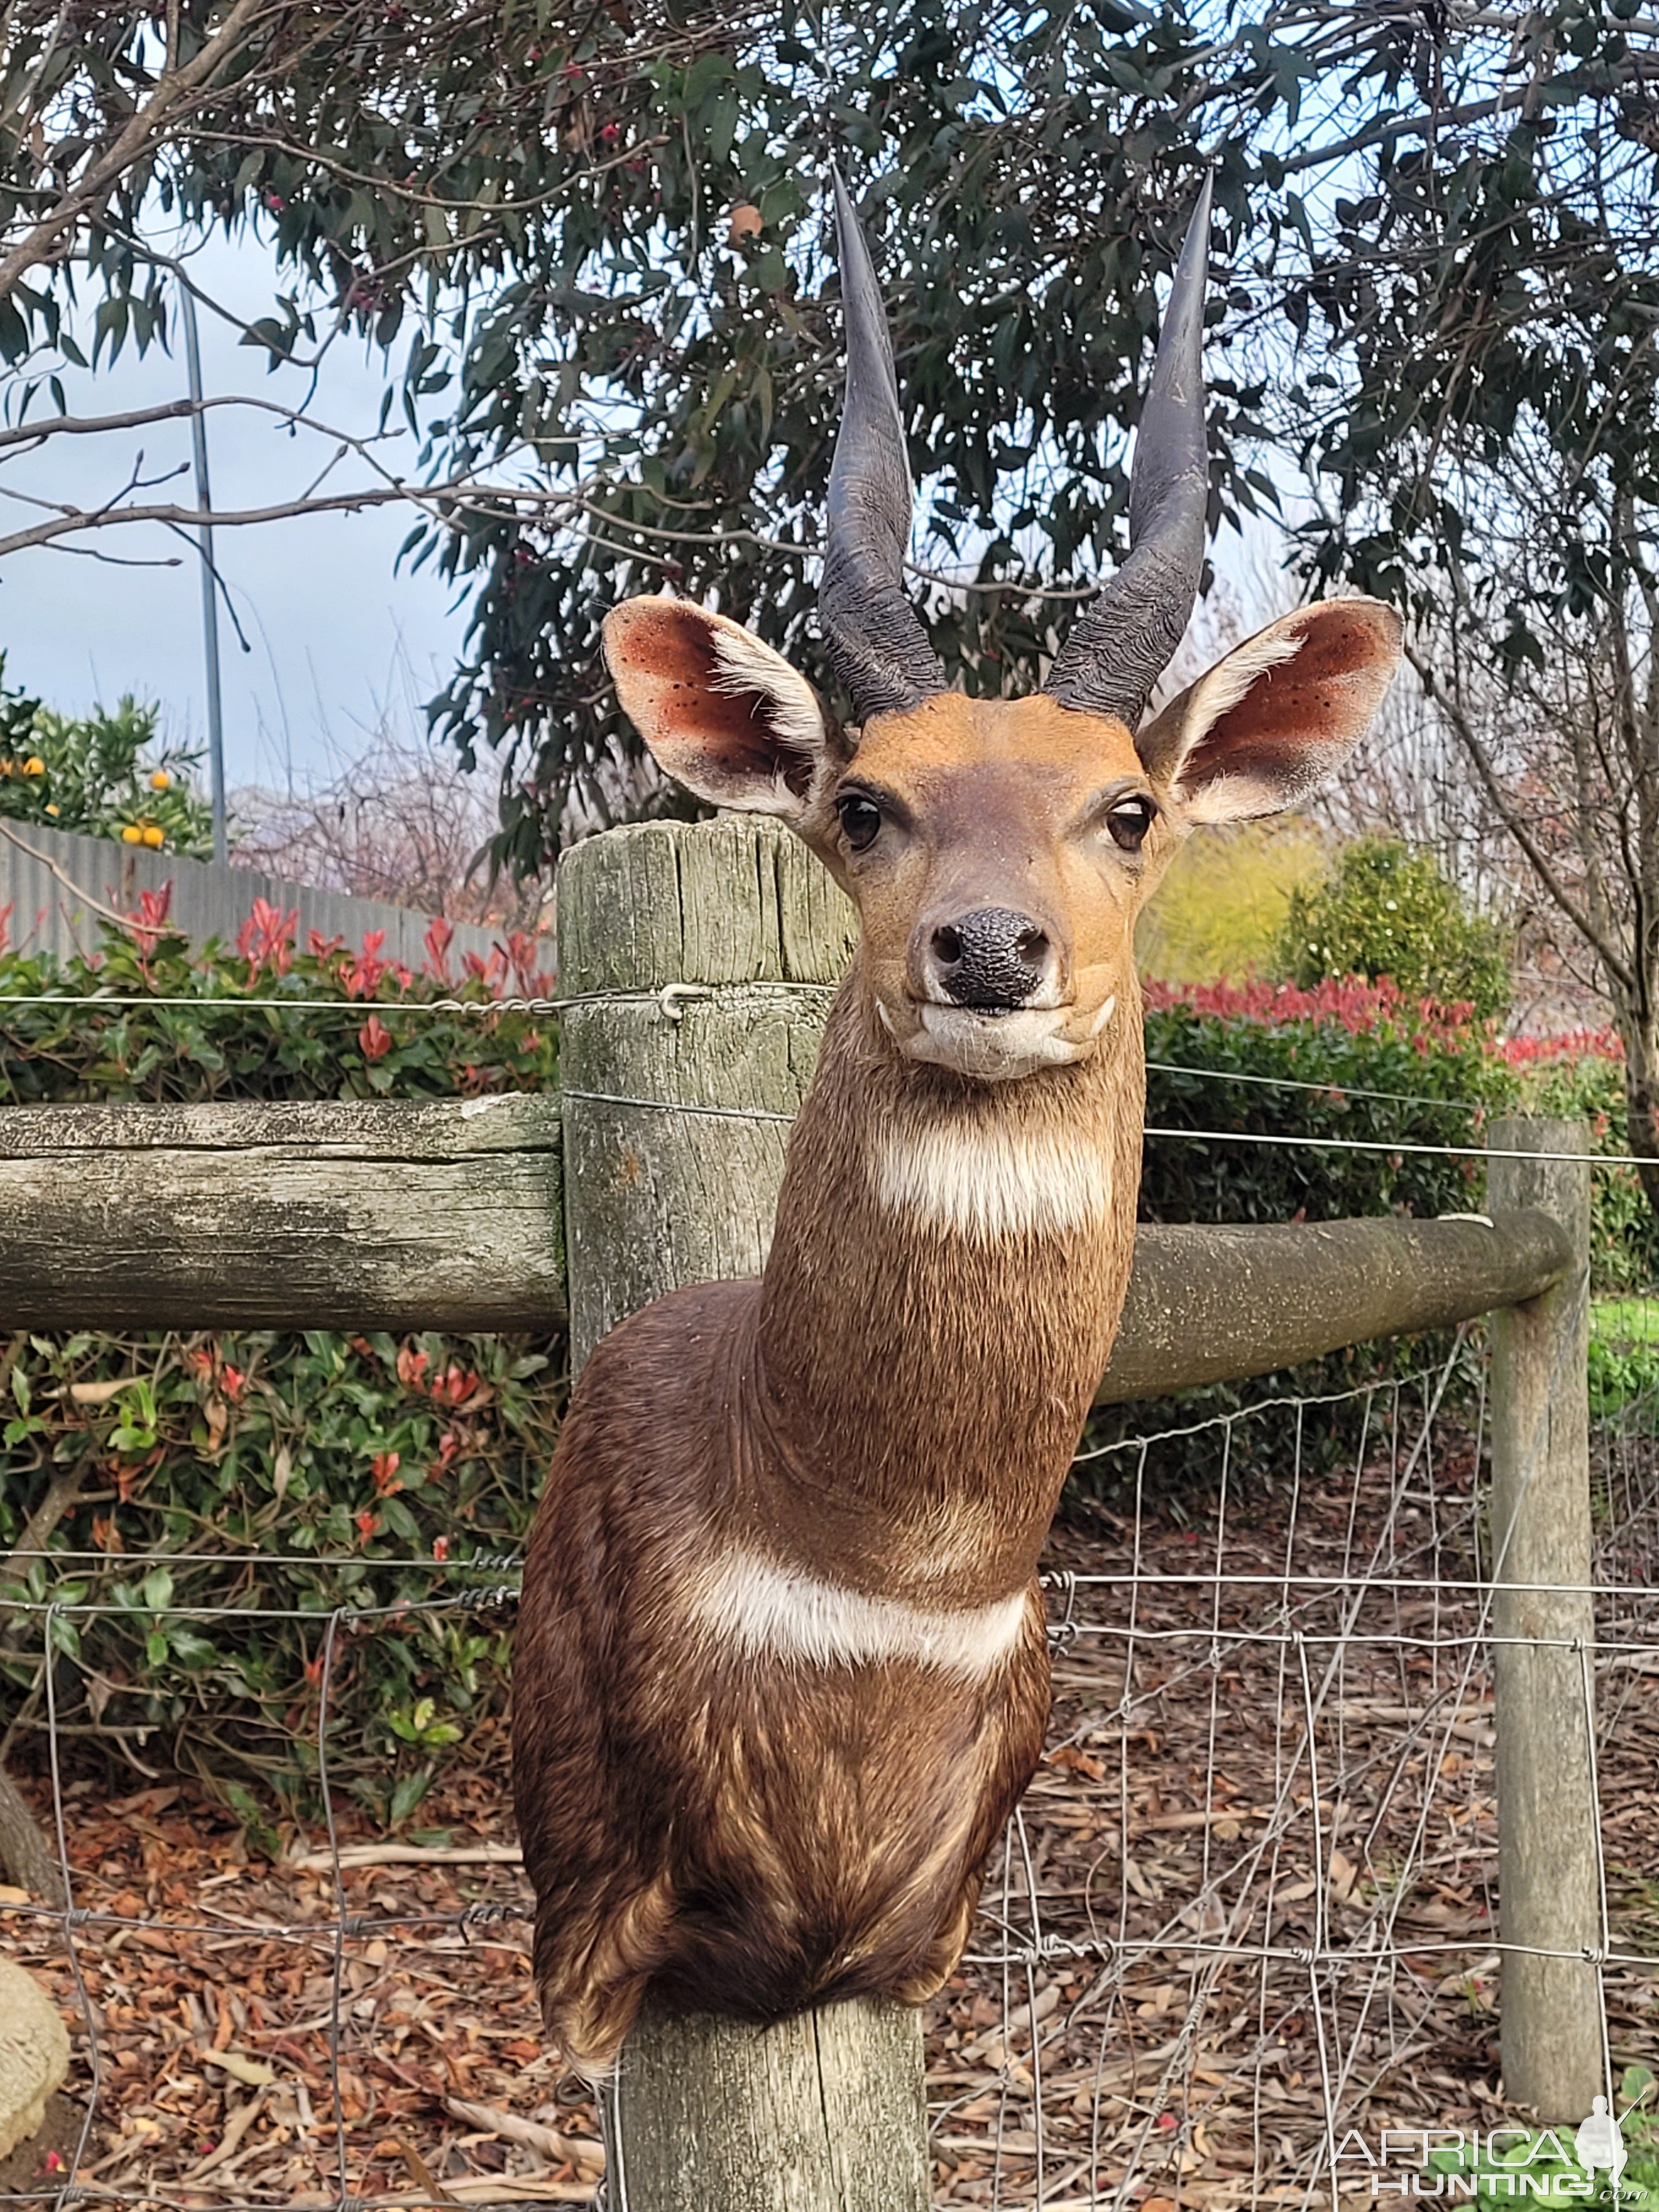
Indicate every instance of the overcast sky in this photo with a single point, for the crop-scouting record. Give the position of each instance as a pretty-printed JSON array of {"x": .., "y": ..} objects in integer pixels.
[{"x": 335, "y": 635}]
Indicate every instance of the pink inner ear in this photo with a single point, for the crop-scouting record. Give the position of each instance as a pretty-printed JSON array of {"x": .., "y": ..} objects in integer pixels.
[
  {"x": 668, "y": 647},
  {"x": 1299, "y": 717}
]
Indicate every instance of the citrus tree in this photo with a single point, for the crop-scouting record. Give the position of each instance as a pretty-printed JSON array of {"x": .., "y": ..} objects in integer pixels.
[{"x": 102, "y": 774}]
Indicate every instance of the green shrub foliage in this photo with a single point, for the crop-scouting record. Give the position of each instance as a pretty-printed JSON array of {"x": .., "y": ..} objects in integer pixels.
[
  {"x": 1387, "y": 910},
  {"x": 1581, "y": 1076},
  {"x": 232, "y": 1496},
  {"x": 102, "y": 775},
  {"x": 1346, "y": 1063},
  {"x": 1275, "y": 1084}
]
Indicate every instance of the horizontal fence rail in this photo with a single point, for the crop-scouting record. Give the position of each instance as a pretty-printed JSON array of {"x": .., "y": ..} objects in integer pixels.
[
  {"x": 446, "y": 1214},
  {"x": 1212, "y": 1305}
]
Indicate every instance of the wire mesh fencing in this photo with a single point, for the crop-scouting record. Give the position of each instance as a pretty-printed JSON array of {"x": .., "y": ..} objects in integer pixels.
[
  {"x": 1243, "y": 1924},
  {"x": 1241, "y": 1946}
]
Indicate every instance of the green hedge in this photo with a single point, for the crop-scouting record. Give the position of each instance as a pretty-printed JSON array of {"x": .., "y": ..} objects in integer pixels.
[
  {"x": 339, "y": 1472},
  {"x": 1582, "y": 1078},
  {"x": 223, "y": 1024},
  {"x": 1348, "y": 1064},
  {"x": 1386, "y": 910}
]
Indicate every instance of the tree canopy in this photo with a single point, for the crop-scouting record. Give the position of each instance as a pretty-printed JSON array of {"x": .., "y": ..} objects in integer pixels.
[{"x": 594, "y": 243}]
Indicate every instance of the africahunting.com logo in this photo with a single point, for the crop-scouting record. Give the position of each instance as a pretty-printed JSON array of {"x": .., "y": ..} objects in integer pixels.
[{"x": 1606, "y": 2160}]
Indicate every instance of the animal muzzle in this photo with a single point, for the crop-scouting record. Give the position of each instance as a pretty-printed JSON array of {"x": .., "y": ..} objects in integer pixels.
[{"x": 991, "y": 960}]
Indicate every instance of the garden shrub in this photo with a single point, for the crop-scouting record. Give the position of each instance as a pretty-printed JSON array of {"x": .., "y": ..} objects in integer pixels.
[
  {"x": 1580, "y": 1076},
  {"x": 1387, "y": 910},
  {"x": 1347, "y": 1061},
  {"x": 314, "y": 1471},
  {"x": 1384, "y": 1069},
  {"x": 102, "y": 775},
  {"x": 1220, "y": 911},
  {"x": 233, "y": 1038}
]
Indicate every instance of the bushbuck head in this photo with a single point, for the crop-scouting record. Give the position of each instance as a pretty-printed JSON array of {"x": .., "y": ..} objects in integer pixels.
[{"x": 998, "y": 851}]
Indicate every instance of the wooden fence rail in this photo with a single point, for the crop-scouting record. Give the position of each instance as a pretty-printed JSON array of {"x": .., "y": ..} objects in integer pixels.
[
  {"x": 441, "y": 1214},
  {"x": 448, "y": 1214},
  {"x": 663, "y": 1153}
]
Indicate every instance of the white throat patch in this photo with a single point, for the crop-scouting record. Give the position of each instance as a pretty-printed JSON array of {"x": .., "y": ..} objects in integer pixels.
[
  {"x": 991, "y": 1182},
  {"x": 773, "y": 1611}
]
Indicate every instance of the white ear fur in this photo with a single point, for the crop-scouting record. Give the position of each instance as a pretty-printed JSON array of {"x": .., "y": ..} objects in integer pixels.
[
  {"x": 1275, "y": 716},
  {"x": 721, "y": 712},
  {"x": 746, "y": 665}
]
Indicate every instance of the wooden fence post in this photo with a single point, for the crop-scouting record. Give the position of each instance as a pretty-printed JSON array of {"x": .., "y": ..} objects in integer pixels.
[
  {"x": 1549, "y": 1886},
  {"x": 827, "y": 2113}
]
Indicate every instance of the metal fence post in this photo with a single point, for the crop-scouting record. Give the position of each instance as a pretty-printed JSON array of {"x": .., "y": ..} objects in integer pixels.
[
  {"x": 1544, "y": 1624},
  {"x": 826, "y": 2112}
]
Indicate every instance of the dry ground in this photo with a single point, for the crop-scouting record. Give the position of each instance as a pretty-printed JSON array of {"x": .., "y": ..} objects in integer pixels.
[{"x": 1251, "y": 1899}]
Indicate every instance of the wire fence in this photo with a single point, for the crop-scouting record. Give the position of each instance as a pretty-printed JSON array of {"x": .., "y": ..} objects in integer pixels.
[{"x": 1243, "y": 1924}]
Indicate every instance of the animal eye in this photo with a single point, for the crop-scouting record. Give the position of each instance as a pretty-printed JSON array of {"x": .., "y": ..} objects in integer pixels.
[
  {"x": 860, "y": 818},
  {"x": 1129, "y": 821}
]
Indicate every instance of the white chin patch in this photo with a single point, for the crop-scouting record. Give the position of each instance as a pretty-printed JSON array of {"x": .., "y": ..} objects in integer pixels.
[{"x": 996, "y": 1048}]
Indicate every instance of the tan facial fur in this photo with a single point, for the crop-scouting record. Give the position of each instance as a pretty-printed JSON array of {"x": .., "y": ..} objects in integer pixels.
[
  {"x": 991, "y": 803},
  {"x": 1001, "y": 808}
]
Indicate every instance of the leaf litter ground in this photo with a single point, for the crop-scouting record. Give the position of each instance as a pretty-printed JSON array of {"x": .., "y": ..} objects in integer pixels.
[{"x": 1249, "y": 1905}]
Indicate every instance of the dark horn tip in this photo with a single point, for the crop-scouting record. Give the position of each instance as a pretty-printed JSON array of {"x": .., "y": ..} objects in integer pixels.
[
  {"x": 1117, "y": 649},
  {"x": 874, "y": 638}
]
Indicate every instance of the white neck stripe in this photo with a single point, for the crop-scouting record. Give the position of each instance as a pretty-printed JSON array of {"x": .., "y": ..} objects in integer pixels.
[{"x": 774, "y": 1612}]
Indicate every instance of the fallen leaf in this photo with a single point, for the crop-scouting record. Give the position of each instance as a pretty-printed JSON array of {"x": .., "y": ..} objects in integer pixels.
[{"x": 252, "y": 2071}]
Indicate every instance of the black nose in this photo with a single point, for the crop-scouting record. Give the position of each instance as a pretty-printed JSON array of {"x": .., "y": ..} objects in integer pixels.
[{"x": 994, "y": 958}]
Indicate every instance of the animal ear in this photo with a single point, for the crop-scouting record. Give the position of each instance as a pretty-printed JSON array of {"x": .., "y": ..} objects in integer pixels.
[
  {"x": 1278, "y": 715},
  {"x": 722, "y": 713}
]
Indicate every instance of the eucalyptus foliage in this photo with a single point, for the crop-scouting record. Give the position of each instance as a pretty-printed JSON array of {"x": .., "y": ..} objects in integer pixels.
[{"x": 593, "y": 244}]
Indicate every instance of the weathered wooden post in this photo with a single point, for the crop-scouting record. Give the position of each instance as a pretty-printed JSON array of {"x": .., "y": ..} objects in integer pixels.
[
  {"x": 1544, "y": 1624},
  {"x": 675, "y": 1119}
]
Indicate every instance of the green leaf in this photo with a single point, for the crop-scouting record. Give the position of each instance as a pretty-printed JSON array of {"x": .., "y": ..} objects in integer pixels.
[{"x": 407, "y": 1795}]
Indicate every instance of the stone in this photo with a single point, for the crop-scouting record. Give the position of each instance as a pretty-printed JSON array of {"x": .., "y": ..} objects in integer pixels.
[{"x": 34, "y": 2055}]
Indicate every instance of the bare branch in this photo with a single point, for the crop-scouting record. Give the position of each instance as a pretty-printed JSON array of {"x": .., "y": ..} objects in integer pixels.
[{"x": 1612, "y": 955}]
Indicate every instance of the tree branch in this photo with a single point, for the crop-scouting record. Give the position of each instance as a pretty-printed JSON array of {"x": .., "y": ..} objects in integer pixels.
[
  {"x": 1611, "y": 956},
  {"x": 173, "y": 90}
]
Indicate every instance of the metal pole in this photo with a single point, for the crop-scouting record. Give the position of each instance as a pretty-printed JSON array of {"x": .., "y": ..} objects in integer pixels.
[{"x": 210, "y": 583}]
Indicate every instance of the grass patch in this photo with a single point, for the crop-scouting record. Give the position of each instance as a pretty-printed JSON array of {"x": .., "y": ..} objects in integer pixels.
[{"x": 1624, "y": 1320}]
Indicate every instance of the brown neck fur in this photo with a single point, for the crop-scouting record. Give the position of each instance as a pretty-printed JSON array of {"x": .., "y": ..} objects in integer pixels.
[{"x": 919, "y": 1392}]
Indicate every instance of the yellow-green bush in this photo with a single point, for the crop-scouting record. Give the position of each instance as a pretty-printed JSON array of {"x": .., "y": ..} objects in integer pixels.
[{"x": 1219, "y": 914}]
